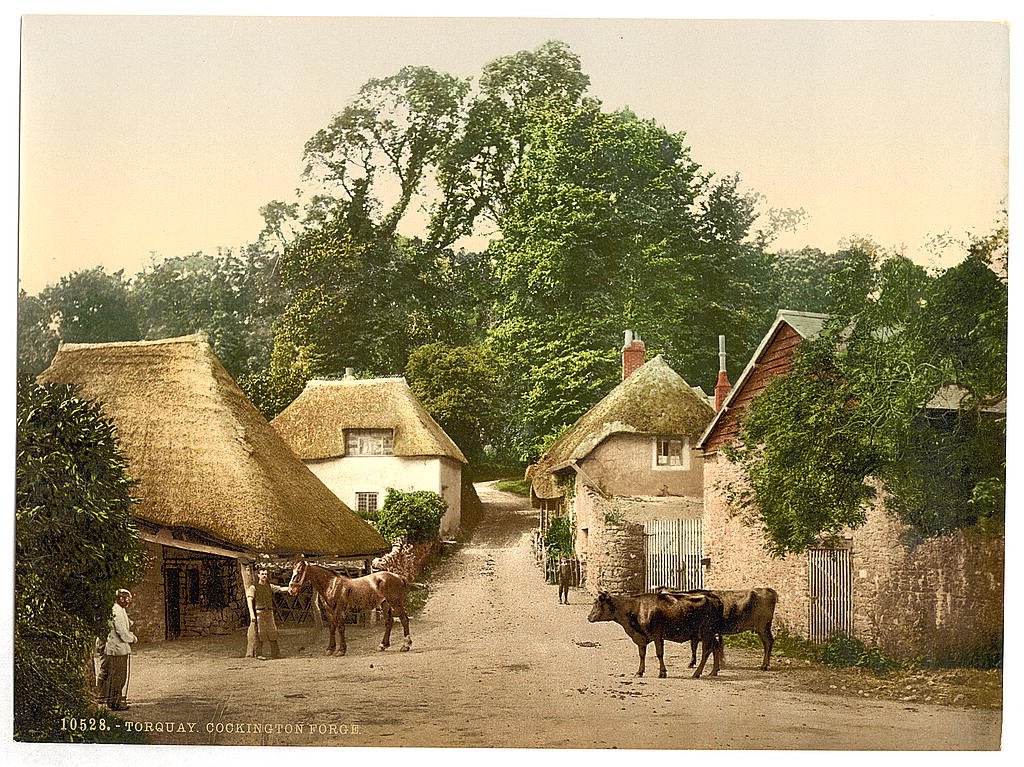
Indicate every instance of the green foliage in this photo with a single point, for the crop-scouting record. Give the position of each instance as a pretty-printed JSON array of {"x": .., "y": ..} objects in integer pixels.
[
  {"x": 842, "y": 651},
  {"x": 232, "y": 298},
  {"x": 610, "y": 225},
  {"x": 411, "y": 516},
  {"x": 91, "y": 306},
  {"x": 854, "y": 407},
  {"x": 37, "y": 340},
  {"x": 75, "y": 545},
  {"x": 560, "y": 537},
  {"x": 459, "y": 387}
]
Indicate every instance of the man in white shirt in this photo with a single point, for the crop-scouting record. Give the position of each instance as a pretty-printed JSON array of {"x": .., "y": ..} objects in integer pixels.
[{"x": 113, "y": 677}]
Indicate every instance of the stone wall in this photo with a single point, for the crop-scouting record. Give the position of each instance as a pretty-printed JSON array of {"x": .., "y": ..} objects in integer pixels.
[
  {"x": 211, "y": 596},
  {"x": 147, "y": 610},
  {"x": 943, "y": 595},
  {"x": 407, "y": 559},
  {"x": 610, "y": 546}
]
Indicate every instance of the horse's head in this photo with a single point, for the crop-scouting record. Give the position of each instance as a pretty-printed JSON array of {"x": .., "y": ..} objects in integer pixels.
[{"x": 298, "y": 581}]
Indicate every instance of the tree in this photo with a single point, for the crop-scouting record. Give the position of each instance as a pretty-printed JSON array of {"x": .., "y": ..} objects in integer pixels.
[
  {"x": 414, "y": 517},
  {"x": 37, "y": 340},
  {"x": 610, "y": 225},
  {"x": 854, "y": 408},
  {"x": 458, "y": 386},
  {"x": 75, "y": 545},
  {"x": 91, "y": 306},
  {"x": 232, "y": 298}
]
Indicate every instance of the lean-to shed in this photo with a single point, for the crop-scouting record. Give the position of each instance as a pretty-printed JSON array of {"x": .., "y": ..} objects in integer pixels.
[
  {"x": 363, "y": 436},
  {"x": 217, "y": 485}
]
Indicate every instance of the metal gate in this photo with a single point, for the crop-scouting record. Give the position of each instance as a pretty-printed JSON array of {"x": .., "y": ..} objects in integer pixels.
[
  {"x": 673, "y": 549},
  {"x": 830, "y": 575}
]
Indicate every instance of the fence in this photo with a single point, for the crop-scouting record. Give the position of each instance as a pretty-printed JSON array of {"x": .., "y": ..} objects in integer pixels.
[{"x": 673, "y": 551}]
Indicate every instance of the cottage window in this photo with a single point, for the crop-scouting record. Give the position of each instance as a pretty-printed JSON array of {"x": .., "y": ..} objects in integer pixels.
[
  {"x": 369, "y": 441},
  {"x": 366, "y": 503},
  {"x": 671, "y": 452}
]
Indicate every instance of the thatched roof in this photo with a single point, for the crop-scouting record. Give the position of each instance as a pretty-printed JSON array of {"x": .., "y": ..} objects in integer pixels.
[
  {"x": 314, "y": 424},
  {"x": 205, "y": 458},
  {"x": 654, "y": 400}
]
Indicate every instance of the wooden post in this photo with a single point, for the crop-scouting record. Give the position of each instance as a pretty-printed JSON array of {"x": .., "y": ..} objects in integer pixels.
[{"x": 247, "y": 581}]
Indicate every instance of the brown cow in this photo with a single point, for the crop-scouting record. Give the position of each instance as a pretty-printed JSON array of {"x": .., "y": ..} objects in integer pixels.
[
  {"x": 654, "y": 618},
  {"x": 750, "y": 610}
]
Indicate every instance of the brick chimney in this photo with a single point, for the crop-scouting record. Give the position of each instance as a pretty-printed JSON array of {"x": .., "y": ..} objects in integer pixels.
[
  {"x": 633, "y": 351},
  {"x": 722, "y": 387}
]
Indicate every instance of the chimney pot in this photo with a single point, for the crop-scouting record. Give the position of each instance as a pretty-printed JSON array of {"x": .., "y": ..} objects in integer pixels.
[
  {"x": 722, "y": 387},
  {"x": 633, "y": 352}
]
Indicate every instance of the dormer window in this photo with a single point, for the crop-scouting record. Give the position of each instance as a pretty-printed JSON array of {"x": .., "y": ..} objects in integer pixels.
[
  {"x": 671, "y": 453},
  {"x": 369, "y": 441}
]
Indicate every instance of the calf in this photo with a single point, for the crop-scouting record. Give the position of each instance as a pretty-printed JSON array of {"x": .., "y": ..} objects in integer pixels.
[
  {"x": 751, "y": 610},
  {"x": 654, "y": 618}
]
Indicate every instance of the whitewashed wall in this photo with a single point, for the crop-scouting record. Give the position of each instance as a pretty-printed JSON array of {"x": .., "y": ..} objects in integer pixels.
[{"x": 375, "y": 474}]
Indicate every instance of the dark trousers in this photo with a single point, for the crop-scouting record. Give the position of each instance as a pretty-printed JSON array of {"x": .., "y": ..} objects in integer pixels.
[
  {"x": 113, "y": 680},
  {"x": 563, "y": 591}
]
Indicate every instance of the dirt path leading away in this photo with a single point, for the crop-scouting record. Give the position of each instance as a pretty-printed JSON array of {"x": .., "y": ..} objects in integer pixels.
[{"x": 496, "y": 661}]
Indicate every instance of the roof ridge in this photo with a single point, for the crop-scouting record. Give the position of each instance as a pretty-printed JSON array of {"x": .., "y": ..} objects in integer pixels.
[{"x": 72, "y": 346}]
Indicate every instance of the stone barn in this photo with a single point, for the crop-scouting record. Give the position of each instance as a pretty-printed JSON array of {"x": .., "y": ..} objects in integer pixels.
[
  {"x": 629, "y": 475},
  {"x": 216, "y": 485},
  {"x": 942, "y": 594},
  {"x": 362, "y": 436}
]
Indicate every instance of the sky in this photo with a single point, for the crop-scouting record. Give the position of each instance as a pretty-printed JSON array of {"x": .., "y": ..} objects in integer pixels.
[{"x": 150, "y": 137}]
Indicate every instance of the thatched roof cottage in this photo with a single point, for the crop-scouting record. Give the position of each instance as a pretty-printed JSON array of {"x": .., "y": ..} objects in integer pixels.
[
  {"x": 633, "y": 469},
  {"x": 362, "y": 436},
  {"x": 217, "y": 485}
]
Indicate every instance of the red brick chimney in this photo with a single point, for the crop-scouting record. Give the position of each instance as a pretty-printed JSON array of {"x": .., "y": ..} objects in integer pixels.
[
  {"x": 633, "y": 351},
  {"x": 722, "y": 387}
]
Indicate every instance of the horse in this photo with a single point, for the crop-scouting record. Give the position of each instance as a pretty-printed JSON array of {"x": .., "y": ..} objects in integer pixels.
[{"x": 340, "y": 594}]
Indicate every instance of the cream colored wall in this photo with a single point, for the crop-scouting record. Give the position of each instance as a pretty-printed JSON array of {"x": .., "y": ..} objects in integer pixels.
[
  {"x": 624, "y": 464},
  {"x": 346, "y": 476}
]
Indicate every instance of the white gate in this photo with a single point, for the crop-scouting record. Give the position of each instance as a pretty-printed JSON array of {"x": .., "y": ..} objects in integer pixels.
[
  {"x": 673, "y": 549},
  {"x": 830, "y": 575}
]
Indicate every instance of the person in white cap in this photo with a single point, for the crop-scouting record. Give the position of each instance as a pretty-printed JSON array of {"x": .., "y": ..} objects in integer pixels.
[{"x": 113, "y": 677}]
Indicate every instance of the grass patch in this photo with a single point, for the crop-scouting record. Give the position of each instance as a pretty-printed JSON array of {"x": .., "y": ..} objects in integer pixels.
[
  {"x": 842, "y": 651},
  {"x": 517, "y": 486}
]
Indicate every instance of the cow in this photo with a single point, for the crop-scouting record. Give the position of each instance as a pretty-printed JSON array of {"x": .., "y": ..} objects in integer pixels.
[
  {"x": 654, "y": 618},
  {"x": 750, "y": 610}
]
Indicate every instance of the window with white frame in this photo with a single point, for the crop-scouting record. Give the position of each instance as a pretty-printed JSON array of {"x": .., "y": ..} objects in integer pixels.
[
  {"x": 671, "y": 452},
  {"x": 369, "y": 441},
  {"x": 366, "y": 503}
]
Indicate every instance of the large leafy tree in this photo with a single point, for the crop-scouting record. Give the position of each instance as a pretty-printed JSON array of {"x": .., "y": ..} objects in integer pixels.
[
  {"x": 75, "y": 545},
  {"x": 459, "y": 387},
  {"x": 856, "y": 407},
  {"x": 91, "y": 306},
  {"x": 37, "y": 338},
  {"x": 232, "y": 298},
  {"x": 611, "y": 225}
]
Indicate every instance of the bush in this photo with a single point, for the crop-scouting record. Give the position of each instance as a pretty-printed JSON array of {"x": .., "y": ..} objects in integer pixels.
[
  {"x": 558, "y": 540},
  {"x": 414, "y": 516},
  {"x": 75, "y": 546},
  {"x": 842, "y": 651}
]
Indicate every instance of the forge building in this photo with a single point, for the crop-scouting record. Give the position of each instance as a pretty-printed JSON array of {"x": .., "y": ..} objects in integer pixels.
[{"x": 217, "y": 485}]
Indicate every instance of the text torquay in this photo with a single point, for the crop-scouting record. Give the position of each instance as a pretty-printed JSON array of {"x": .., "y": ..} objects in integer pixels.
[{"x": 246, "y": 728}]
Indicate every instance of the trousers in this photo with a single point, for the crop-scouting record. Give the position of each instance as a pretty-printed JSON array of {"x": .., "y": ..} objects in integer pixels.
[{"x": 113, "y": 680}]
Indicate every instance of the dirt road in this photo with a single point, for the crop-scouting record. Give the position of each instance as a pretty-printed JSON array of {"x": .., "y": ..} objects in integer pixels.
[{"x": 496, "y": 661}]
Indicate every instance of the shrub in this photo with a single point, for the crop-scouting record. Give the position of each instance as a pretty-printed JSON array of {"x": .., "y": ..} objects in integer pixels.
[
  {"x": 414, "y": 516},
  {"x": 75, "y": 545},
  {"x": 558, "y": 539}
]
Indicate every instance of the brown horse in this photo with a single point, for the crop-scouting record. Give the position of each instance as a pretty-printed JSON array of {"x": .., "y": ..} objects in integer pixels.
[{"x": 341, "y": 594}]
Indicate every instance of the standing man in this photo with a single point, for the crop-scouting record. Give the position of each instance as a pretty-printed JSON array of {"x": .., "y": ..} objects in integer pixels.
[
  {"x": 564, "y": 579},
  {"x": 262, "y": 628},
  {"x": 117, "y": 650}
]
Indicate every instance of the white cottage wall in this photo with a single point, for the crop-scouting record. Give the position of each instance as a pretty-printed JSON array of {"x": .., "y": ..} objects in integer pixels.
[{"x": 346, "y": 476}]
